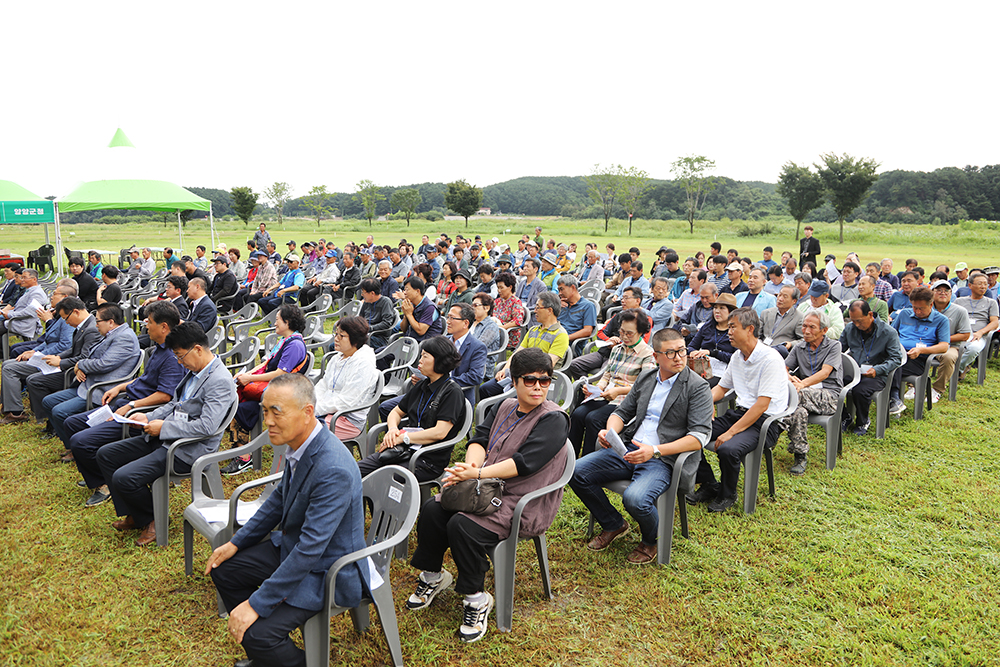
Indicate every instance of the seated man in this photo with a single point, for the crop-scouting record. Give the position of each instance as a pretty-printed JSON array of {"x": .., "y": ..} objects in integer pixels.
[
  {"x": 154, "y": 387},
  {"x": 922, "y": 331},
  {"x": 326, "y": 278},
  {"x": 200, "y": 405},
  {"x": 691, "y": 295},
  {"x": 983, "y": 317},
  {"x": 22, "y": 319},
  {"x": 285, "y": 290},
  {"x": 847, "y": 291},
  {"x": 697, "y": 315},
  {"x": 816, "y": 369},
  {"x": 874, "y": 344},
  {"x": 388, "y": 285},
  {"x": 264, "y": 277},
  {"x": 781, "y": 326},
  {"x": 609, "y": 334},
  {"x": 86, "y": 285},
  {"x": 577, "y": 315},
  {"x": 272, "y": 582},
  {"x": 734, "y": 283},
  {"x": 672, "y": 411},
  {"x": 110, "y": 291},
  {"x": 819, "y": 299},
  {"x": 174, "y": 291},
  {"x": 775, "y": 280},
  {"x": 658, "y": 304},
  {"x": 420, "y": 318},
  {"x": 755, "y": 297},
  {"x": 866, "y": 291},
  {"x": 11, "y": 290},
  {"x": 960, "y": 328},
  {"x": 116, "y": 353},
  {"x": 378, "y": 311},
  {"x": 760, "y": 379},
  {"x": 203, "y": 311},
  {"x": 901, "y": 298},
  {"x": 528, "y": 285},
  {"x": 224, "y": 283},
  {"x": 58, "y": 336}
]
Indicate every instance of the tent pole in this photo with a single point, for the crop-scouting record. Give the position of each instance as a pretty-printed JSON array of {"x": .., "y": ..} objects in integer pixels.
[
  {"x": 211, "y": 224},
  {"x": 180, "y": 234},
  {"x": 47, "y": 233},
  {"x": 59, "y": 245}
]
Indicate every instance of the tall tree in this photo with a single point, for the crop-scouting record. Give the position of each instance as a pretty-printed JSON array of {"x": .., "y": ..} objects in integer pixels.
[
  {"x": 278, "y": 194},
  {"x": 634, "y": 183},
  {"x": 463, "y": 199},
  {"x": 847, "y": 181},
  {"x": 369, "y": 195},
  {"x": 692, "y": 172},
  {"x": 244, "y": 202},
  {"x": 406, "y": 200},
  {"x": 604, "y": 185},
  {"x": 803, "y": 189},
  {"x": 316, "y": 201}
]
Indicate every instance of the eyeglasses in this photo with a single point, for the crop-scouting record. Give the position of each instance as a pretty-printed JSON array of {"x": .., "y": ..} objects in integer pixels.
[
  {"x": 674, "y": 354},
  {"x": 455, "y": 319},
  {"x": 541, "y": 380},
  {"x": 623, "y": 333},
  {"x": 181, "y": 357}
]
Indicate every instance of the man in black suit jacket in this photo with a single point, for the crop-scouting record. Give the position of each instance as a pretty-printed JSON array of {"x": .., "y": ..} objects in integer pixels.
[
  {"x": 193, "y": 271},
  {"x": 86, "y": 286},
  {"x": 224, "y": 282},
  {"x": 202, "y": 309}
]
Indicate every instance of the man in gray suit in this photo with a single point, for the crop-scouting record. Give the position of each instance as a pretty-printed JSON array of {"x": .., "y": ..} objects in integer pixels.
[
  {"x": 115, "y": 355},
  {"x": 672, "y": 407},
  {"x": 781, "y": 326},
  {"x": 22, "y": 319},
  {"x": 200, "y": 404}
]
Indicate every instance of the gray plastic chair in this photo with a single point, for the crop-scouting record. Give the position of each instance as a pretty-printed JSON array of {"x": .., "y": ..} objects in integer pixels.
[
  {"x": 504, "y": 554},
  {"x": 984, "y": 357},
  {"x": 359, "y": 442},
  {"x": 392, "y": 494},
  {"x": 751, "y": 462},
  {"x": 320, "y": 305},
  {"x": 955, "y": 373},
  {"x": 921, "y": 387},
  {"x": 215, "y": 337},
  {"x": 241, "y": 357},
  {"x": 219, "y": 532},
  {"x": 665, "y": 504},
  {"x": 211, "y": 478},
  {"x": 831, "y": 423},
  {"x": 108, "y": 384},
  {"x": 404, "y": 352}
]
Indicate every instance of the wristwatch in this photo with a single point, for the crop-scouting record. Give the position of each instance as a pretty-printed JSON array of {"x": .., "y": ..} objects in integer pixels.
[
  {"x": 406, "y": 438},
  {"x": 131, "y": 404},
  {"x": 656, "y": 453}
]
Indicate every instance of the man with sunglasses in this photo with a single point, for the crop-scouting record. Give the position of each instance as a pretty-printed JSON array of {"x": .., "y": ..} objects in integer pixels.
[
  {"x": 672, "y": 411},
  {"x": 200, "y": 404}
]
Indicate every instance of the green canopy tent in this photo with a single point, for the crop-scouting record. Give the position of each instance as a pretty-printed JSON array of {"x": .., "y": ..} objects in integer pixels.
[
  {"x": 141, "y": 195},
  {"x": 21, "y": 206}
]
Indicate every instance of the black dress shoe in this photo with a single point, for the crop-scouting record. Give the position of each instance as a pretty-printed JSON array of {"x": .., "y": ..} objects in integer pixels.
[
  {"x": 245, "y": 662},
  {"x": 721, "y": 504},
  {"x": 702, "y": 495}
]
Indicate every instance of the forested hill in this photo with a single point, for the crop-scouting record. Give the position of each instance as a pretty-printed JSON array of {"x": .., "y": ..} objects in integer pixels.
[{"x": 944, "y": 195}]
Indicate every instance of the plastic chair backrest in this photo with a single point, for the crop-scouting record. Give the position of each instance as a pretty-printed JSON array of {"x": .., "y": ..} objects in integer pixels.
[
  {"x": 393, "y": 496},
  {"x": 215, "y": 336}
]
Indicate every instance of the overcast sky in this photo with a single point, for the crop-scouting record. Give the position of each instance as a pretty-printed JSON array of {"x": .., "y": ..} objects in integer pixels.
[{"x": 220, "y": 94}]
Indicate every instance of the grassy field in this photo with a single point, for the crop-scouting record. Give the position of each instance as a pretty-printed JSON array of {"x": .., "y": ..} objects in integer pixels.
[
  {"x": 930, "y": 245},
  {"x": 890, "y": 559}
]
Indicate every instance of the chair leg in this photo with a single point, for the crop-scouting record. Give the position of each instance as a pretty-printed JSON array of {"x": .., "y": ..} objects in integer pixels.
[
  {"x": 382, "y": 598},
  {"x": 316, "y": 640},
  {"x": 188, "y": 548},
  {"x": 684, "y": 519},
  {"x": 590, "y": 528},
  {"x": 751, "y": 478},
  {"x": 665, "y": 538},
  {"x": 542, "y": 551},
  {"x": 832, "y": 434},
  {"x": 361, "y": 618},
  {"x": 504, "y": 557},
  {"x": 161, "y": 508}
]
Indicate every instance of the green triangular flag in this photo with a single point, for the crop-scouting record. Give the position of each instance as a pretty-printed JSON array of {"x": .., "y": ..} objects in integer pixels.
[{"x": 120, "y": 140}]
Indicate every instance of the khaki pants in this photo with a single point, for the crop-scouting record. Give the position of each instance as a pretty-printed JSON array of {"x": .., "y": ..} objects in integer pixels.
[{"x": 944, "y": 371}]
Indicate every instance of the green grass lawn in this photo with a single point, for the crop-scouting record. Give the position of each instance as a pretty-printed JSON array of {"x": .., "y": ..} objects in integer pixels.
[
  {"x": 930, "y": 245},
  {"x": 890, "y": 559}
]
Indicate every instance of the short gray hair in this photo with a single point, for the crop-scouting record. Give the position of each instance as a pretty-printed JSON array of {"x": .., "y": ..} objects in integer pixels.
[
  {"x": 386, "y": 262},
  {"x": 660, "y": 279},
  {"x": 804, "y": 277},
  {"x": 747, "y": 317},
  {"x": 568, "y": 280},
  {"x": 795, "y": 291},
  {"x": 29, "y": 273},
  {"x": 302, "y": 389},
  {"x": 824, "y": 319},
  {"x": 66, "y": 290}
]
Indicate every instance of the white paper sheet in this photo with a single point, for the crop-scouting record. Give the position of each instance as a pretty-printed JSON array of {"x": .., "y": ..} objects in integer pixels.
[
  {"x": 616, "y": 443},
  {"x": 593, "y": 392},
  {"x": 36, "y": 361}
]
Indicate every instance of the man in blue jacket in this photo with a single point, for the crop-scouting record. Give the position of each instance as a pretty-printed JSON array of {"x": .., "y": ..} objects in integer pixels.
[{"x": 272, "y": 586}]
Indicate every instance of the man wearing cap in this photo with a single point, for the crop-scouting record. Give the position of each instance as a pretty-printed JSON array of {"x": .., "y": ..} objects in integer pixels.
[
  {"x": 135, "y": 264},
  {"x": 505, "y": 263},
  {"x": 432, "y": 258},
  {"x": 261, "y": 276},
  {"x": 367, "y": 267},
  {"x": 922, "y": 331},
  {"x": 287, "y": 289},
  {"x": 819, "y": 293},
  {"x": 961, "y": 278},
  {"x": 224, "y": 283},
  {"x": 958, "y": 326},
  {"x": 532, "y": 249},
  {"x": 549, "y": 273},
  {"x": 734, "y": 280},
  {"x": 808, "y": 246},
  {"x": 326, "y": 278},
  {"x": 983, "y": 317},
  {"x": 991, "y": 280}
]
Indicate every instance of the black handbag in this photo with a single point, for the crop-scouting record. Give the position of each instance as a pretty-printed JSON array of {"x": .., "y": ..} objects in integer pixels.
[
  {"x": 395, "y": 456},
  {"x": 474, "y": 496}
]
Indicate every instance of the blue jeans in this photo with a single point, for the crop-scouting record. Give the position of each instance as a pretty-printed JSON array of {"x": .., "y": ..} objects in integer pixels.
[
  {"x": 60, "y": 406},
  {"x": 649, "y": 481}
]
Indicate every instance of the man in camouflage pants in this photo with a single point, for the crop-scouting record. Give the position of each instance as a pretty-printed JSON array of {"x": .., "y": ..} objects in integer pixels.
[{"x": 816, "y": 370}]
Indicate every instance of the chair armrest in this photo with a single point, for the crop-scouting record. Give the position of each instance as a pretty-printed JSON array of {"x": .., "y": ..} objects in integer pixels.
[
  {"x": 173, "y": 448},
  {"x": 243, "y": 488},
  {"x": 203, "y": 462}
]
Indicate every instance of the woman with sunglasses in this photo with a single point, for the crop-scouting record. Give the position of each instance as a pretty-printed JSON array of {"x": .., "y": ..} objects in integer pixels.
[
  {"x": 349, "y": 380},
  {"x": 519, "y": 442},
  {"x": 629, "y": 357}
]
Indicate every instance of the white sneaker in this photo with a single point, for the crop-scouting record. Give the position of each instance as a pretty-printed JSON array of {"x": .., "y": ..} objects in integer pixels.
[
  {"x": 474, "y": 622},
  {"x": 426, "y": 591},
  {"x": 910, "y": 394},
  {"x": 935, "y": 396}
]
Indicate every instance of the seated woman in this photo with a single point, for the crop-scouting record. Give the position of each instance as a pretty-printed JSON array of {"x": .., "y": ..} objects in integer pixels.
[
  {"x": 463, "y": 290},
  {"x": 507, "y": 308},
  {"x": 712, "y": 340},
  {"x": 630, "y": 356},
  {"x": 435, "y": 408},
  {"x": 486, "y": 329},
  {"x": 287, "y": 356},
  {"x": 519, "y": 442},
  {"x": 350, "y": 378},
  {"x": 445, "y": 285}
]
